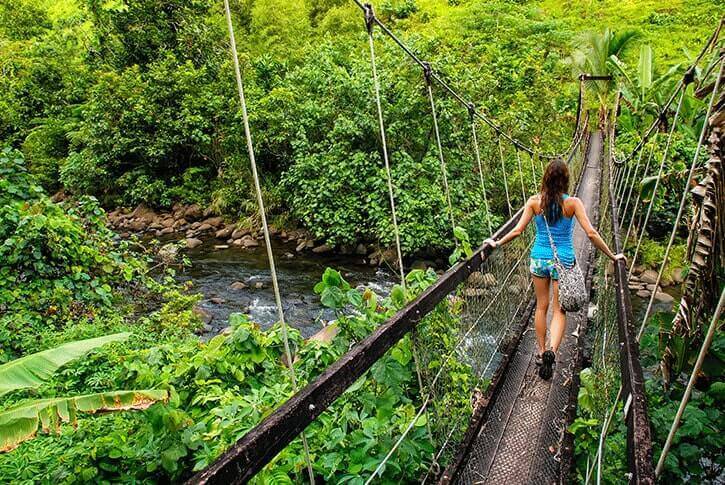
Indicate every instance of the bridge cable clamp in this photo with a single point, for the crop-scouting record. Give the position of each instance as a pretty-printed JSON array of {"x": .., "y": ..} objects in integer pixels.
[
  {"x": 471, "y": 111},
  {"x": 369, "y": 17},
  {"x": 427, "y": 72}
]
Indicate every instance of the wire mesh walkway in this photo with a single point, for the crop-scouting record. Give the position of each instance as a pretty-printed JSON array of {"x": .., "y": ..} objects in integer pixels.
[{"x": 521, "y": 439}]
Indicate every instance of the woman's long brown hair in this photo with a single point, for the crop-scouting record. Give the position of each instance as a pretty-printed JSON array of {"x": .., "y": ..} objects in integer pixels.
[{"x": 554, "y": 184}]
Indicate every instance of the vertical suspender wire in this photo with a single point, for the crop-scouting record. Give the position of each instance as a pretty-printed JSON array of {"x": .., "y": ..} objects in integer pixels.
[
  {"x": 626, "y": 171},
  {"x": 369, "y": 15},
  {"x": 521, "y": 177},
  {"x": 683, "y": 199},
  {"x": 657, "y": 180},
  {"x": 369, "y": 23},
  {"x": 533, "y": 174},
  {"x": 636, "y": 205},
  {"x": 427, "y": 74},
  {"x": 480, "y": 168},
  {"x": 628, "y": 189},
  {"x": 691, "y": 383},
  {"x": 265, "y": 228},
  {"x": 505, "y": 181}
]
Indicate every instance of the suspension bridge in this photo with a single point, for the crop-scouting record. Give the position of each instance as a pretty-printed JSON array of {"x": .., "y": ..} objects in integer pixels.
[{"x": 514, "y": 427}]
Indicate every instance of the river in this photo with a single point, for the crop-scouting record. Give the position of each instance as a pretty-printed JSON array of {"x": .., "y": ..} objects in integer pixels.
[{"x": 213, "y": 271}]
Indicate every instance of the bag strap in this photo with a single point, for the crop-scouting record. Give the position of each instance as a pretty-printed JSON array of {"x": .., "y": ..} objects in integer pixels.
[{"x": 551, "y": 239}]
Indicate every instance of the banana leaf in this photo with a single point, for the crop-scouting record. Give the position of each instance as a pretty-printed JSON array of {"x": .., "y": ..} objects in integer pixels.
[
  {"x": 33, "y": 370},
  {"x": 20, "y": 423}
]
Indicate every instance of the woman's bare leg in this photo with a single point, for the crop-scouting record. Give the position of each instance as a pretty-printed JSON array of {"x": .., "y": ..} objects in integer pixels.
[
  {"x": 541, "y": 288},
  {"x": 558, "y": 320}
]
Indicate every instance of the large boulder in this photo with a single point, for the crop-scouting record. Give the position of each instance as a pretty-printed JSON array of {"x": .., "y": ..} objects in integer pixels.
[
  {"x": 193, "y": 242},
  {"x": 193, "y": 213},
  {"x": 249, "y": 242},
  {"x": 239, "y": 233},
  {"x": 214, "y": 221},
  {"x": 648, "y": 276},
  {"x": 323, "y": 248},
  {"x": 203, "y": 315},
  {"x": 224, "y": 232}
]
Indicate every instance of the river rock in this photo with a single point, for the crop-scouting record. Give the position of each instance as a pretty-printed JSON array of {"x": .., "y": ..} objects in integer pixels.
[
  {"x": 204, "y": 227},
  {"x": 639, "y": 269},
  {"x": 179, "y": 223},
  {"x": 237, "y": 242},
  {"x": 663, "y": 297},
  {"x": 678, "y": 275},
  {"x": 205, "y": 316},
  {"x": 643, "y": 294},
  {"x": 238, "y": 285},
  {"x": 321, "y": 249},
  {"x": 217, "y": 300},
  {"x": 168, "y": 222},
  {"x": 221, "y": 246},
  {"x": 300, "y": 246},
  {"x": 239, "y": 233},
  {"x": 326, "y": 334},
  {"x": 224, "y": 232},
  {"x": 168, "y": 253},
  {"x": 227, "y": 331},
  {"x": 418, "y": 264},
  {"x": 193, "y": 212},
  {"x": 651, "y": 287},
  {"x": 258, "y": 285},
  {"x": 648, "y": 276},
  {"x": 214, "y": 221},
  {"x": 289, "y": 255},
  {"x": 193, "y": 242},
  {"x": 249, "y": 242},
  {"x": 137, "y": 225},
  {"x": 360, "y": 250}
]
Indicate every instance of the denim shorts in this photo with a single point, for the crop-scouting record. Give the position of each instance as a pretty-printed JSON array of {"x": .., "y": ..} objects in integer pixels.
[{"x": 543, "y": 268}]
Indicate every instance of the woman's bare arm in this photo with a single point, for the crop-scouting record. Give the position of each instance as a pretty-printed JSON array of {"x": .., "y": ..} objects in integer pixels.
[
  {"x": 581, "y": 215},
  {"x": 520, "y": 226}
]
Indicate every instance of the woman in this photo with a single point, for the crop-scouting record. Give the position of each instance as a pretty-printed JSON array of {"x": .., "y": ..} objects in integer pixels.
[{"x": 552, "y": 207}]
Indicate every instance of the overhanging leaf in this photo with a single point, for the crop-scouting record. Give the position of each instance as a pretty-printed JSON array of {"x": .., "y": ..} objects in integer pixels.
[
  {"x": 33, "y": 370},
  {"x": 20, "y": 423}
]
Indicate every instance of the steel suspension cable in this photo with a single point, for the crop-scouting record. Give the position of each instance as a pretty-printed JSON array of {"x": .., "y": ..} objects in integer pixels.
[
  {"x": 443, "y": 366},
  {"x": 636, "y": 205},
  {"x": 521, "y": 178},
  {"x": 437, "y": 78},
  {"x": 265, "y": 228},
  {"x": 444, "y": 171},
  {"x": 533, "y": 175},
  {"x": 683, "y": 199},
  {"x": 369, "y": 15},
  {"x": 657, "y": 180},
  {"x": 384, "y": 142},
  {"x": 691, "y": 382},
  {"x": 480, "y": 169},
  {"x": 505, "y": 181},
  {"x": 628, "y": 189}
]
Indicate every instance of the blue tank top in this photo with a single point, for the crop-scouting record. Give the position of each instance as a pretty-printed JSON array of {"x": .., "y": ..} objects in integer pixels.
[{"x": 561, "y": 231}]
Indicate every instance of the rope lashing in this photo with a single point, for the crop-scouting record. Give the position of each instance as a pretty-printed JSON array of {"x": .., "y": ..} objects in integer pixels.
[
  {"x": 691, "y": 382},
  {"x": 505, "y": 181},
  {"x": 471, "y": 114},
  {"x": 521, "y": 178},
  {"x": 427, "y": 74},
  {"x": 265, "y": 228},
  {"x": 683, "y": 199},
  {"x": 657, "y": 181},
  {"x": 369, "y": 23}
]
